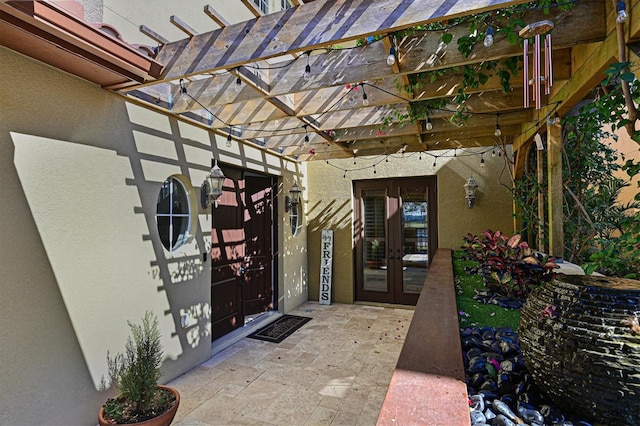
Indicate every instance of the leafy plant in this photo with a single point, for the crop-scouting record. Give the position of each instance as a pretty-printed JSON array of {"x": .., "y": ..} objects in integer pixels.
[
  {"x": 508, "y": 264},
  {"x": 136, "y": 373},
  {"x": 618, "y": 255}
]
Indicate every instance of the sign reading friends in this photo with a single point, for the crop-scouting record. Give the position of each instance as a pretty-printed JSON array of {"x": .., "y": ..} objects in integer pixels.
[{"x": 326, "y": 266}]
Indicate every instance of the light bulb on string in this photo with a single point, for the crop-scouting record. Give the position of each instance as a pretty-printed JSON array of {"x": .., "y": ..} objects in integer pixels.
[
  {"x": 307, "y": 69},
  {"x": 365, "y": 98},
  {"x": 488, "y": 38},
  {"x": 621, "y": 10},
  {"x": 306, "y": 136},
  {"x": 434, "y": 162},
  {"x": 238, "y": 85},
  {"x": 344, "y": 176},
  {"x": 481, "y": 160},
  {"x": 391, "y": 58},
  {"x": 498, "y": 131},
  {"x": 428, "y": 125},
  {"x": 493, "y": 153},
  {"x": 229, "y": 139},
  {"x": 374, "y": 169},
  {"x": 420, "y": 156},
  {"x": 386, "y": 160}
]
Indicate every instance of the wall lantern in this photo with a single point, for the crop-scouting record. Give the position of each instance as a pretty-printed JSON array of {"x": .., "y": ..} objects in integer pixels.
[
  {"x": 293, "y": 198},
  {"x": 470, "y": 190},
  {"x": 211, "y": 188}
]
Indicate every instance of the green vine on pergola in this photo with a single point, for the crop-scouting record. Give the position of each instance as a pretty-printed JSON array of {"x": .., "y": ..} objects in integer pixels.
[{"x": 505, "y": 23}]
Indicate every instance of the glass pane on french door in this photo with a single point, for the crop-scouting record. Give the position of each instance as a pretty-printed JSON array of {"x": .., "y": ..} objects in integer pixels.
[
  {"x": 414, "y": 234},
  {"x": 375, "y": 240}
]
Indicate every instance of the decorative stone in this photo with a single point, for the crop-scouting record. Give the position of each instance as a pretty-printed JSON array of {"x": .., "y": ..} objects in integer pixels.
[{"x": 579, "y": 341}]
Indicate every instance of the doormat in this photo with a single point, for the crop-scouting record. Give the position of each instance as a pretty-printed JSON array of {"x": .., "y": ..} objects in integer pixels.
[{"x": 280, "y": 329}]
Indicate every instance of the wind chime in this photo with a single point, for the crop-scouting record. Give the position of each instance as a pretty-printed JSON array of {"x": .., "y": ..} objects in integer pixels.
[{"x": 533, "y": 83}]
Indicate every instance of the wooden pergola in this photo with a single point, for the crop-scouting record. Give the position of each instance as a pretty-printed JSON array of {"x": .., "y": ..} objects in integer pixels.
[{"x": 246, "y": 81}]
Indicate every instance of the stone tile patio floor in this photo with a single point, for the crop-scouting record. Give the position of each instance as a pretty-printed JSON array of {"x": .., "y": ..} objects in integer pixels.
[{"x": 333, "y": 371}]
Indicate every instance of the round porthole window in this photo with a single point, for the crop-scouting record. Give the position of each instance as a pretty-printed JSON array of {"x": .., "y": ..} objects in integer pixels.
[{"x": 174, "y": 213}]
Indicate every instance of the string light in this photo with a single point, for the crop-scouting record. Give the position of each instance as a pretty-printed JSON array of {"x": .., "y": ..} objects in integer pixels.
[
  {"x": 307, "y": 69},
  {"x": 621, "y": 10},
  {"x": 481, "y": 160},
  {"x": 306, "y": 136},
  {"x": 488, "y": 38},
  {"x": 229, "y": 139},
  {"x": 374, "y": 169},
  {"x": 498, "y": 131},
  {"x": 434, "y": 162},
  {"x": 391, "y": 59},
  {"x": 365, "y": 98},
  {"x": 238, "y": 85},
  {"x": 428, "y": 125},
  {"x": 493, "y": 153}
]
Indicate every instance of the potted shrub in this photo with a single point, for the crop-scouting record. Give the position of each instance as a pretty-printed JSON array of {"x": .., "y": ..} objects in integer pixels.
[{"x": 135, "y": 374}]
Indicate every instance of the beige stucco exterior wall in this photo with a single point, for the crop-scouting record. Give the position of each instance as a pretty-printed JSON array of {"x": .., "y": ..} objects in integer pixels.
[
  {"x": 330, "y": 205},
  {"x": 81, "y": 169}
]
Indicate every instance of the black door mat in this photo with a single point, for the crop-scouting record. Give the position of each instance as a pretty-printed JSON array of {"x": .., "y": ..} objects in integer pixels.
[{"x": 280, "y": 329}]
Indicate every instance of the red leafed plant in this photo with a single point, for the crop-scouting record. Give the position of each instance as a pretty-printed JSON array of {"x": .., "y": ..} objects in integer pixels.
[{"x": 508, "y": 264}]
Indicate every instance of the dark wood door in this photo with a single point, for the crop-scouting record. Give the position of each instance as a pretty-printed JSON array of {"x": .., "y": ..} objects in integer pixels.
[
  {"x": 258, "y": 260},
  {"x": 242, "y": 252},
  {"x": 395, "y": 235}
]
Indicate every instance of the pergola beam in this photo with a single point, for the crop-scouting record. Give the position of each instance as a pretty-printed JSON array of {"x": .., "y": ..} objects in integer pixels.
[{"x": 316, "y": 25}]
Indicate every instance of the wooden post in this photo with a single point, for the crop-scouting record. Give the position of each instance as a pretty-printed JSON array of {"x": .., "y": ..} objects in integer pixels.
[
  {"x": 540, "y": 172},
  {"x": 554, "y": 167}
]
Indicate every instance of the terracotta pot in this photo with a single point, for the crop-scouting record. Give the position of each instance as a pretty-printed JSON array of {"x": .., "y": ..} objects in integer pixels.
[{"x": 163, "y": 419}]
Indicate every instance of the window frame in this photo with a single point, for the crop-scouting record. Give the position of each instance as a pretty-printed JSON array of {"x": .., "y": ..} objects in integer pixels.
[{"x": 178, "y": 181}]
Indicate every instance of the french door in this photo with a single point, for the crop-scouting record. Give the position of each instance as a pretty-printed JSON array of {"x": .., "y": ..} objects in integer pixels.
[
  {"x": 242, "y": 253},
  {"x": 395, "y": 237}
]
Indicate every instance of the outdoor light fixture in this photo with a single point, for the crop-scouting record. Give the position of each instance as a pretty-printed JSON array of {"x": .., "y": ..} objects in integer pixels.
[
  {"x": 470, "y": 191},
  {"x": 488, "y": 38},
  {"x": 498, "y": 131},
  {"x": 211, "y": 188},
  {"x": 307, "y": 69},
  {"x": 238, "y": 85},
  {"x": 391, "y": 59},
  {"x": 365, "y": 98},
  {"x": 621, "y": 10},
  {"x": 428, "y": 125},
  {"x": 293, "y": 199}
]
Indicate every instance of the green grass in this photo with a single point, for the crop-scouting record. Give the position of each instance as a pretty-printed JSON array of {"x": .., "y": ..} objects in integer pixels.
[{"x": 480, "y": 314}]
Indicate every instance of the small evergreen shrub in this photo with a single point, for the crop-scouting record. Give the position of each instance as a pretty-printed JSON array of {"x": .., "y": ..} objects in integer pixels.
[{"x": 135, "y": 373}]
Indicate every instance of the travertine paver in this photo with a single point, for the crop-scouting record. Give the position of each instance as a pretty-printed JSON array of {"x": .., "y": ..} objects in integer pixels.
[{"x": 333, "y": 371}]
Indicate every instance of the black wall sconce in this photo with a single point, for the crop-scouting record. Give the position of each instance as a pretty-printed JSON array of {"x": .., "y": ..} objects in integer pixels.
[
  {"x": 211, "y": 188},
  {"x": 470, "y": 191},
  {"x": 293, "y": 199}
]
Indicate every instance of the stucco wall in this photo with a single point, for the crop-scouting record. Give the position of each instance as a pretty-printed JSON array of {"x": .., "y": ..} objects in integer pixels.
[
  {"x": 330, "y": 204},
  {"x": 81, "y": 169}
]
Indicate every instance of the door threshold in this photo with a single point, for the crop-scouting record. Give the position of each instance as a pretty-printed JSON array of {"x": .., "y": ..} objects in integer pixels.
[
  {"x": 236, "y": 335},
  {"x": 385, "y": 305}
]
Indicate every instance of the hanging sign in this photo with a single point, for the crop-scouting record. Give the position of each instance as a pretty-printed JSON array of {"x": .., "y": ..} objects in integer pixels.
[{"x": 326, "y": 266}]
